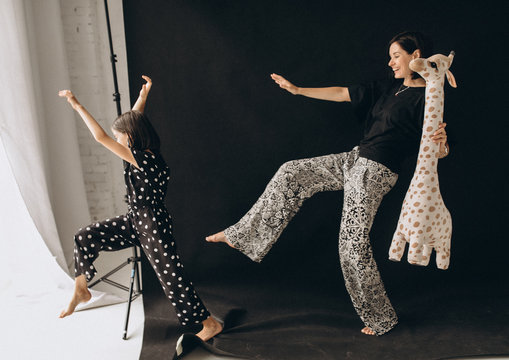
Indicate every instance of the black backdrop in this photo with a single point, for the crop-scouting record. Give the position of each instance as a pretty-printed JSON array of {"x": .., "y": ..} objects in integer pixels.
[{"x": 226, "y": 127}]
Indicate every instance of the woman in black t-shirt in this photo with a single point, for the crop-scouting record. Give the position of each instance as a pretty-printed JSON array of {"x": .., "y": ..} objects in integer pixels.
[{"x": 392, "y": 112}]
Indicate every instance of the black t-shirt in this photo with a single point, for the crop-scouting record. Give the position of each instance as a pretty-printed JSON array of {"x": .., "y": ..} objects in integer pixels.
[{"x": 392, "y": 124}]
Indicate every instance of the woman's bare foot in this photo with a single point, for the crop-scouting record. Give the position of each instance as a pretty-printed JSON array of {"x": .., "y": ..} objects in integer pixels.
[
  {"x": 367, "y": 331},
  {"x": 219, "y": 237},
  {"x": 211, "y": 327},
  {"x": 81, "y": 295}
]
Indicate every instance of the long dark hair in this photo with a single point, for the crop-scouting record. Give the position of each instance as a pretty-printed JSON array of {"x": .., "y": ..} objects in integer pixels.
[
  {"x": 411, "y": 41},
  {"x": 141, "y": 133}
]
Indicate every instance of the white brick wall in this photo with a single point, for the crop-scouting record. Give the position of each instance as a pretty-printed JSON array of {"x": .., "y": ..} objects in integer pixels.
[
  {"x": 88, "y": 53},
  {"x": 88, "y": 56}
]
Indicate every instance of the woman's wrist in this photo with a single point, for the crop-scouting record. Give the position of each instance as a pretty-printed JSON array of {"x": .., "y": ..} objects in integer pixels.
[
  {"x": 444, "y": 153},
  {"x": 75, "y": 104}
]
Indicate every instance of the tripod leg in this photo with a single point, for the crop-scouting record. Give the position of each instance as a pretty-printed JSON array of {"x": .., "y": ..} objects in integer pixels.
[
  {"x": 138, "y": 270},
  {"x": 131, "y": 285}
]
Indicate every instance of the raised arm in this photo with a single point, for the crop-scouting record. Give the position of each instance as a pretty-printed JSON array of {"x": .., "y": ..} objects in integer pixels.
[
  {"x": 97, "y": 131},
  {"x": 139, "y": 105},
  {"x": 334, "y": 93}
]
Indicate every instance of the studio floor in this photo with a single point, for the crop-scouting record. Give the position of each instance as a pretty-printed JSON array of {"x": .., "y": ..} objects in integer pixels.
[
  {"x": 288, "y": 321},
  {"x": 266, "y": 321},
  {"x": 31, "y": 329}
]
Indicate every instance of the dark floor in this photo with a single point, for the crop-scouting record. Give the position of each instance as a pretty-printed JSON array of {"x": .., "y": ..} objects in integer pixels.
[{"x": 297, "y": 321}]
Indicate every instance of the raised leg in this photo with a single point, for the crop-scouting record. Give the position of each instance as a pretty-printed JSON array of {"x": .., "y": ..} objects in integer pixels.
[
  {"x": 107, "y": 235},
  {"x": 294, "y": 182}
]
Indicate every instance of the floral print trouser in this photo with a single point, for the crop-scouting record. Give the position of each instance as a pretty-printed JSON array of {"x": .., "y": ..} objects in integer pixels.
[{"x": 365, "y": 182}]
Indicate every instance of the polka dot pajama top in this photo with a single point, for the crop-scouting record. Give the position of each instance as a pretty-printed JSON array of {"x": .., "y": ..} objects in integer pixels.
[{"x": 148, "y": 225}]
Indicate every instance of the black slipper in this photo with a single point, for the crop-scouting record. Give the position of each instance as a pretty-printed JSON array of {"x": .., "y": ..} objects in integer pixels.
[{"x": 191, "y": 347}]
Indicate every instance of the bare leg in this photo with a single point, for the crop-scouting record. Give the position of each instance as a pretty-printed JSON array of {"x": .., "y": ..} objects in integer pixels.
[
  {"x": 367, "y": 331},
  {"x": 81, "y": 295},
  {"x": 218, "y": 237},
  {"x": 211, "y": 327}
]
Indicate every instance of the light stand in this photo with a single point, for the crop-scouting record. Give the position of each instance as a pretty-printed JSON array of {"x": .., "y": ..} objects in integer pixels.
[{"x": 134, "y": 283}]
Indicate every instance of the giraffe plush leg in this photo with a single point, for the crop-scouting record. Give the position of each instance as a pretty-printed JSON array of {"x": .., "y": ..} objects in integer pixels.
[
  {"x": 426, "y": 255},
  {"x": 443, "y": 256},
  {"x": 415, "y": 251},
  {"x": 397, "y": 247}
]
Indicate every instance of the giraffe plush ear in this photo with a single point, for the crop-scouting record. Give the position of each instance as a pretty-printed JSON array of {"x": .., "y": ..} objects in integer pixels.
[{"x": 451, "y": 79}]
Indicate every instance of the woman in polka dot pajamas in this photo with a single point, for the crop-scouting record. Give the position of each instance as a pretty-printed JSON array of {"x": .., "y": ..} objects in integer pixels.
[
  {"x": 147, "y": 222},
  {"x": 392, "y": 113}
]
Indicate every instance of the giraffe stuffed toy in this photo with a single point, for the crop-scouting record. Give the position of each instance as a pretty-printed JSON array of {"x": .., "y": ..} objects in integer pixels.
[{"x": 424, "y": 222}]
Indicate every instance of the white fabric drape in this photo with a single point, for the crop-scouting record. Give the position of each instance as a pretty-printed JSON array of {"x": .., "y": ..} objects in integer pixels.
[
  {"x": 20, "y": 128},
  {"x": 28, "y": 268},
  {"x": 43, "y": 193}
]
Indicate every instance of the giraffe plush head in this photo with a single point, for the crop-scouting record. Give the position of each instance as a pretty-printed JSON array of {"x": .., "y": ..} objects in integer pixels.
[{"x": 433, "y": 68}]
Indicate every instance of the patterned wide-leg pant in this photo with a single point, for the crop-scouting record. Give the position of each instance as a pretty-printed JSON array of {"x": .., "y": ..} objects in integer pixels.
[
  {"x": 151, "y": 229},
  {"x": 365, "y": 183}
]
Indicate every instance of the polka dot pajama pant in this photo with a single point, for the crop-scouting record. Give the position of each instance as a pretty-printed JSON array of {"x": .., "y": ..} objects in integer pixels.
[
  {"x": 364, "y": 182},
  {"x": 150, "y": 228}
]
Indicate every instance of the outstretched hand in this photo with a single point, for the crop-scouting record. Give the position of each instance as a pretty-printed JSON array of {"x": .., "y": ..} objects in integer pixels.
[
  {"x": 145, "y": 88},
  {"x": 284, "y": 84},
  {"x": 71, "y": 99}
]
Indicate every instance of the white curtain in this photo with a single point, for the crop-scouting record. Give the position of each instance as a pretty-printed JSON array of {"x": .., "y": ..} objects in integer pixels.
[
  {"x": 22, "y": 130},
  {"x": 28, "y": 268},
  {"x": 43, "y": 194}
]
